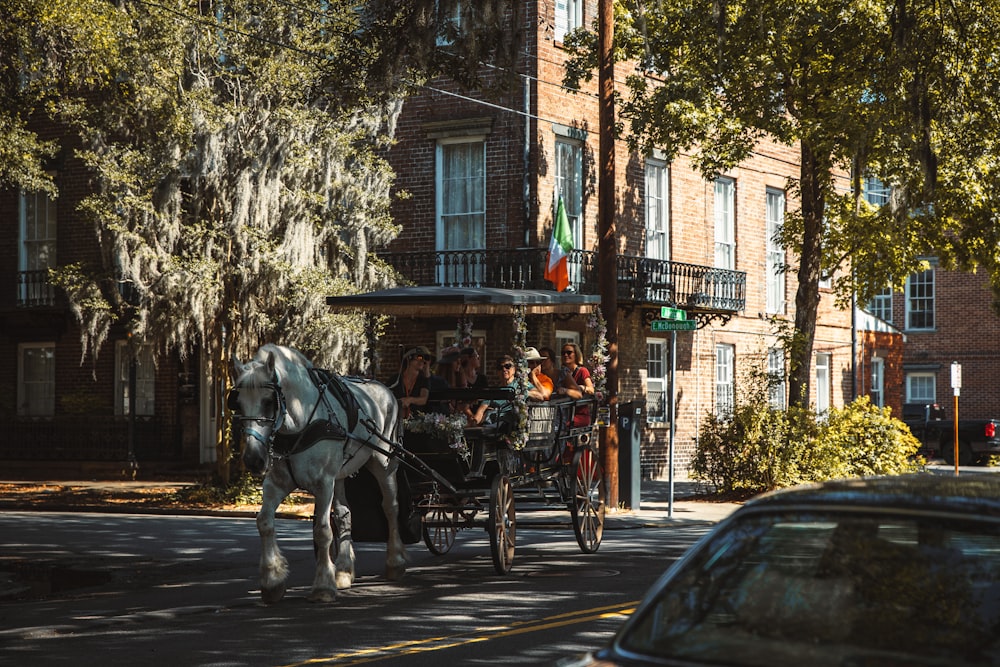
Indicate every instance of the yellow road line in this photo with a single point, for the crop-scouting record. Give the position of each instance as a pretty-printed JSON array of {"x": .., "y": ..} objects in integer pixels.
[{"x": 478, "y": 635}]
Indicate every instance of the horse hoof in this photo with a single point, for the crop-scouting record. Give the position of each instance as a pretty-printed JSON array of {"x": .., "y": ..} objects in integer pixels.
[
  {"x": 395, "y": 573},
  {"x": 344, "y": 580},
  {"x": 323, "y": 595},
  {"x": 273, "y": 594}
]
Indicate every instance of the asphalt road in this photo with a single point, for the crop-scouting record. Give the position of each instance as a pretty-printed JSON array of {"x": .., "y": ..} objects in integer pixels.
[{"x": 167, "y": 590}]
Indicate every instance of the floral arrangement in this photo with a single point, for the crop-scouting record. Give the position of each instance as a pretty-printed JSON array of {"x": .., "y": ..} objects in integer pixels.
[
  {"x": 463, "y": 333},
  {"x": 599, "y": 356},
  {"x": 450, "y": 428},
  {"x": 519, "y": 436}
]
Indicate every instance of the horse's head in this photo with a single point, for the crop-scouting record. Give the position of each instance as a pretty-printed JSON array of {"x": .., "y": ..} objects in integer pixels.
[{"x": 258, "y": 403}]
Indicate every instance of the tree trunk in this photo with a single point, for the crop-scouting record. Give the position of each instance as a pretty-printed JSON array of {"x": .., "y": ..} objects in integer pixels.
[{"x": 814, "y": 175}]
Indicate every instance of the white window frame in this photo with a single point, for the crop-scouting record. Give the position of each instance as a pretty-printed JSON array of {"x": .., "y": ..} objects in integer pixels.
[
  {"x": 569, "y": 185},
  {"x": 37, "y": 228},
  {"x": 875, "y": 191},
  {"x": 877, "y": 390},
  {"x": 777, "y": 396},
  {"x": 881, "y": 305},
  {"x": 657, "y": 210},
  {"x": 145, "y": 381},
  {"x": 657, "y": 380},
  {"x": 775, "y": 279},
  {"x": 920, "y": 289},
  {"x": 921, "y": 387},
  {"x": 564, "y": 336},
  {"x": 448, "y": 228},
  {"x": 36, "y": 391},
  {"x": 823, "y": 375},
  {"x": 569, "y": 17},
  {"x": 725, "y": 223},
  {"x": 725, "y": 380},
  {"x": 449, "y": 15}
]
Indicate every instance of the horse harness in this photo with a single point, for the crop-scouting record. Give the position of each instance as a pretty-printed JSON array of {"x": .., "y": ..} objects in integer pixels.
[{"x": 284, "y": 445}]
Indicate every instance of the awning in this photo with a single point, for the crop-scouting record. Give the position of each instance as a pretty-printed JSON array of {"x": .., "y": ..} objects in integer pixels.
[{"x": 433, "y": 301}]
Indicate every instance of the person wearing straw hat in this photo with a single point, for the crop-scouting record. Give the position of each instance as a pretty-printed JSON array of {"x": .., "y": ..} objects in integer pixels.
[{"x": 541, "y": 385}]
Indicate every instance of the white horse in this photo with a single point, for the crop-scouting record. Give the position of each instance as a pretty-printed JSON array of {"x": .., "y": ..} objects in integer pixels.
[{"x": 304, "y": 428}]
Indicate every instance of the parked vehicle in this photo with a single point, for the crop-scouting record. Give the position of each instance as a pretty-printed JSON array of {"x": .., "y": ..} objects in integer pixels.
[
  {"x": 977, "y": 438},
  {"x": 880, "y": 571}
]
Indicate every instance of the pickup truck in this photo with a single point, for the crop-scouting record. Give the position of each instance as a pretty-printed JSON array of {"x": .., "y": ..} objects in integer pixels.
[{"x": 977, "y": 438}]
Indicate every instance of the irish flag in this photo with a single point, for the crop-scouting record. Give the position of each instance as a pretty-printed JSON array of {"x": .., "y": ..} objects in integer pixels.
[{"x": 561, "y": 245}]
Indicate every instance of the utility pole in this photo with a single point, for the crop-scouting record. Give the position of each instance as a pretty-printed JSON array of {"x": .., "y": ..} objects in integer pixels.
[{"x": 607, "y": 249}]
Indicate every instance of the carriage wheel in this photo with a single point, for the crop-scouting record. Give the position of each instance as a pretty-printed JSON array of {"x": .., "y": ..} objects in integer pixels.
[
  {"x": 440, "y": 536},
  {"x": 588, "y": 506},
  {"x": 501, "y": 524}
]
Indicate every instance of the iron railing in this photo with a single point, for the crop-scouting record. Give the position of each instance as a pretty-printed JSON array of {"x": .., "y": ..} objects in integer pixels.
[
  {"x": 34, "y": 289},
  {"x": 641, "y": 280}
]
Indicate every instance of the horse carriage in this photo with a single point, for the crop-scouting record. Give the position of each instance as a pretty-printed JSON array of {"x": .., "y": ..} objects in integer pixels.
[
  {"x": 479, "y": 475},
  {"x": 303, "y": 427}
]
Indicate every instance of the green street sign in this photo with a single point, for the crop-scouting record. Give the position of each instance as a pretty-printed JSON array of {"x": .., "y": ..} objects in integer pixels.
[
  {"x": 673, "y": 325},
  {"x": 668, "y": 313}
]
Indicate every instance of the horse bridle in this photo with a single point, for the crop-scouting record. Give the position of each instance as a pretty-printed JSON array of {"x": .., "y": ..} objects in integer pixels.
[{"x": 277, "y": 421}]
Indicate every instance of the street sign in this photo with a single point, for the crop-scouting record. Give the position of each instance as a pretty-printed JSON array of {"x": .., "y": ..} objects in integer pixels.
[
  {"x": 668, "y": 313},
  {"x": 673, "y": 325}
]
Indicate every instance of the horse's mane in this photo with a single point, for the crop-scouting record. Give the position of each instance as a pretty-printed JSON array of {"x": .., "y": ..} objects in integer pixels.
[{"x": 285, "y": 358}]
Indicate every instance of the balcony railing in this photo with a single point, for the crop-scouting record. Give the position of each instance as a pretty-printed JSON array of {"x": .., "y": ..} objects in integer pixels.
[
  {"x": 34, "y": 289},
  {"x": 641, "y": 280}
]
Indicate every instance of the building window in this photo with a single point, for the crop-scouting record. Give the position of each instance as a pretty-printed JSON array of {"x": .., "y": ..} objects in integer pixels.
[
  {"x": 449, "y": 17},
  {"x": 656, "y": 380},
  {"x": 564, "y": 337},
  {"x": 775, "y": 252},
  {"x": 657, "y": 211},
  {"x": 36, "y": 380},
  {"x": 725, "y": 379},
  {"x": 461, "y": 206},
  {"x": 881, "y": 305},
  {"x": 921, "y": 387},
  {"x": 725, "y": 223},
  {"x": 876, "y": 192},
  {"x": 145, "y": 381},
  {"x": 569, "y": 186},
  {"x": 877, "y": 392},
  {"x": 569, "y": 17},
  {"x": 822, "y": 383},
  {"x": 37, "y": 249},
  {"x": 776, "y": 378},
  {"x": 920, "y": 300}
]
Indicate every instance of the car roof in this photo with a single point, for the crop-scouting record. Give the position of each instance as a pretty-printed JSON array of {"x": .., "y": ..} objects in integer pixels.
[{"x": 973, "y": 494}]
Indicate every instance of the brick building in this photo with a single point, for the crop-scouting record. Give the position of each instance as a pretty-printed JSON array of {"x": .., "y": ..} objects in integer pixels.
[
  {"x": 481, "y": 179},
  {"x": 476, "y": 189}
]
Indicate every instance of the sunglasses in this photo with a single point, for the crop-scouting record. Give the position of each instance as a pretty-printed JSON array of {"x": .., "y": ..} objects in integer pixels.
[
  {"x": 505, "y": 367},
  {"x": 568, "y": 352}
]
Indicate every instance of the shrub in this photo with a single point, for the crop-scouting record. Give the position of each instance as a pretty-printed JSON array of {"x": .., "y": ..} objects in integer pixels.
[{"x": 759, "y": 448}]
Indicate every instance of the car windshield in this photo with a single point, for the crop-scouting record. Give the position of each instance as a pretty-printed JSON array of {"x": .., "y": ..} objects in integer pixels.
[{"x": 832, "y": 589}]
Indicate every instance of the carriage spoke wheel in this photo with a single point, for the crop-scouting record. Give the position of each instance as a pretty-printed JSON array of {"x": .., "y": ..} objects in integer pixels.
[
  {"x": 588, "y": 506},
  {"x": 501, "y": 524},
  {"x": 439, "y": 530}
]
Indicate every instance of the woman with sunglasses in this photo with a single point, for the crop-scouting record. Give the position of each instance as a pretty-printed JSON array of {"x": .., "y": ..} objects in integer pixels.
[
  {"x": 411, "y": 387},
  {"x": 506, "y": 370},
  {"x": 575, "y": 373}
]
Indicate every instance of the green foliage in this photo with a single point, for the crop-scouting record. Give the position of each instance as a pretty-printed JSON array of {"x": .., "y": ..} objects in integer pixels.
[
  {"x": 759, "y": 448},
  {"x": 244, "y": 490}
]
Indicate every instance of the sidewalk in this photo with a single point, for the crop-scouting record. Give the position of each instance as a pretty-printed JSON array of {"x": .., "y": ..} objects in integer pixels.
[{"x": 690, "y": 502}]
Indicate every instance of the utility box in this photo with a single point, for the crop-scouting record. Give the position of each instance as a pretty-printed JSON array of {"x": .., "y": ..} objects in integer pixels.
[{"x": 631, "y": 417}]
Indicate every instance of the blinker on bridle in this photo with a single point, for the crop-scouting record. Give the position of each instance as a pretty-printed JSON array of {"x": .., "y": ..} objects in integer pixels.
[{"x": 232, "y": 402}]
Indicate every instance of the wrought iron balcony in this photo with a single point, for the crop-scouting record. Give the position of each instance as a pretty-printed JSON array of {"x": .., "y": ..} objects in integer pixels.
[
  {"x": 34, "y": 289},
  {"x": 641, "y": 280}
]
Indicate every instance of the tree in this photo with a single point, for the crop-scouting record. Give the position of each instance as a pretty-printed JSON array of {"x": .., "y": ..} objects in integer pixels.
[
  {"x": 236, "y": 149},
  {"x": 900, "y": 90}
]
